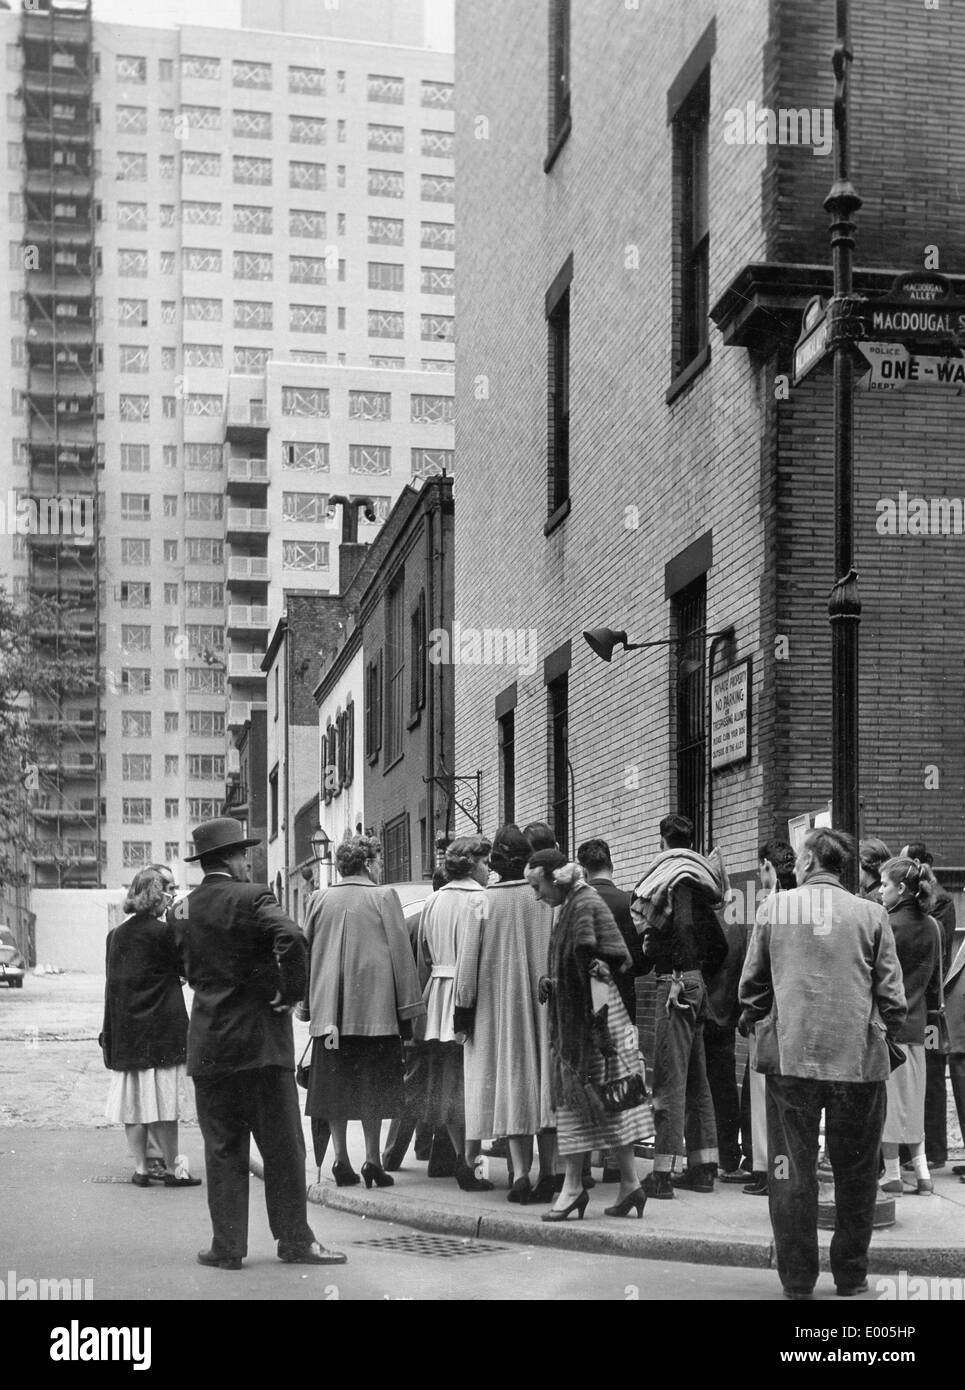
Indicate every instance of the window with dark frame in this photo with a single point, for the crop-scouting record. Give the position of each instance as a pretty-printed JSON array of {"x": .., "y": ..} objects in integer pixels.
[
  {"x": 373, "y": 709},
  {"x": 417, "y": 643},
  {"x": 273, "y": 803},
  {"x": 690, "y": 134},
  {"x": 395, "y": 845},
  {"x": 689, "y": 623},
  {"x": 559, "y": 77},
  {"x": 395, "y": 672},
  {"x": 558, "y": 402},
  {"x": 507, "y": 767},
  {"x": 557, "y": 692}
]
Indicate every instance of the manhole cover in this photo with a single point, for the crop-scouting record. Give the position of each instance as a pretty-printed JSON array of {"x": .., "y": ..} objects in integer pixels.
[
  {"x": 126, "y": 1180},
  {"x": 440, "y": 1247}
]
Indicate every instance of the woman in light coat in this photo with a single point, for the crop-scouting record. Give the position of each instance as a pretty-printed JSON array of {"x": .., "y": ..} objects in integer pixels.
[
  {"x": 448, "y": 917},
  {"x": 506, "y": 1053}
]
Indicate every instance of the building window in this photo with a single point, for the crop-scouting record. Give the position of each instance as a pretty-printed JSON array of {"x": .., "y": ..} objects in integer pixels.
[
  {"x": 135, "y": 458},
  {"x": 386, "y": 89},
  {"x": 172, "y": 764},
  {"x": 203, "y": 550},
  {"x": 303, "y": 174},
  {"x": 273, "y": 803},
  {"x": 557, "y": 695},
  {"x": 129, "y": 69},
  {"x": 135, "y": 552},
  {"x": 304, "y": 506},
  {"x": 506, "y": 727},
  {"x": 309, "y": 80},
  {"x": 438, "y": 95},
  {"x": 305, "y": 555},
  {"x": 307, "y": 318},
  {"x": 305, "y": 401},
  {"x": 136, "y": 680},
  {"x": 559, "y": 75},
  {"x": 394, "y": 672},
  {"x": 248, "y": 74},
  {"x": 396, "y": 846},
  {"x": 135, "y": 767},
  {"x": 689, "y": 622},
  {"x": 171, "y": 723},
  {"x": 385, "y": 323},
  {"x": 251, "y": 125},
  {"x": 205, "y": 767},
  {"x": 690, "y": 137},
  {"x": 205, "y": 723},
  {"x": 136, "y": 854},
  {"x": 439, "y": 236},
  {"x": 203, "y": 506},
  {"x": 171, "y": 679},
  {"x": 307, "y": 130},
  {"x": 170, "y": 552},
  {"x": 369, "y": 405},
  {"x": 203, "y": 164},
  {"x": 417, "y": 643},
  {"x": 304, "y": 223},
  {"x": 249, "y": 362},
  {"x": 204, "y": 69},
  {"x": 383, "y": 231},
  {"x": 200, "y": 310},
  {"x": 386, "y": 183},
  {"x": 438, "y": 326},
  {"x": 203, "y": 355},
  {"x": 558, "y": 443},
  {"x": 136, "y": 810},
  {"x": 256, "y": 221},
  {"x": 309, "y": 458},
  {"x": 370, "y": 458},
  {"x": 437, "y": 279},
  {"x": 135, "y": 506},
  {"x": 437, "y": 188},
  {"x": 373, "y": 708},
  {"x": 172, "y": 808},
  {"x": 306, "y": 270},
  {"x": 437, "y": 144},
  {"x": 387, "y": 137},
  {"x": 387, "y": 275},
  {"x": 432, "y": 410},
  {"x": 430, "y": 463},
  {"x": 131, "y": 167},
  {"x": 134, "y": 594},
  {"x": 253, "y": 313},
  {"x": 247, "y": 169}
]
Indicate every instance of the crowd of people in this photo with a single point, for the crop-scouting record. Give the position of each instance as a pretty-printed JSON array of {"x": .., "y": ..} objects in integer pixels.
[{"x": 506, "y": 1013}]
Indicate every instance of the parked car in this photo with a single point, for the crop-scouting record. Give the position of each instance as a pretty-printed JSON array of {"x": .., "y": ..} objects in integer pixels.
[{"x": 12, "y": 964}]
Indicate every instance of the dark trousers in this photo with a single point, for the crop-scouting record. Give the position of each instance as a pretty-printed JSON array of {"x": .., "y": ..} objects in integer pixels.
[
  {"x": 262, "y": 1102},
  {"x": 722, "y": 1079},
  {"x": 854, "y": 1116},
  {"x": 747, "y": 1148},
  {"x": 936, "y": 1109}
]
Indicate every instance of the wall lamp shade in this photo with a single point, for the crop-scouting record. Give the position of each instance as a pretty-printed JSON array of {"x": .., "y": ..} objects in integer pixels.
[
  {"x": 602, "y": 640},
  {"x": 321, "y": 846}
]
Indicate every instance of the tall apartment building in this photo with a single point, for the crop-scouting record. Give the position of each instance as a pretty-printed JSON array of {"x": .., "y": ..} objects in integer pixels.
[
  {"x": 230, "y": 298},
  {"x": 669, "y": 477}
]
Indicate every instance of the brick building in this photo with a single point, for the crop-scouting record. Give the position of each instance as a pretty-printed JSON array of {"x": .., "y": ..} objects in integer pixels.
[{"x": 629, "y": 437}]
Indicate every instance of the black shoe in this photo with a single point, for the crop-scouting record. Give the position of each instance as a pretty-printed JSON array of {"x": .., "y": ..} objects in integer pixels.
[
  {"x": 467, "y": 1180},
  {"x": 186, "y": 1180},
  {"x": 521, "y": 1191},
  {"x": 850, "y": 1290},
  {"x": 141, "y": 1179},
  {"x": 344, "y": 1174},
  {"x": 156, "y": 1168},
  {"x": 634, "y": 1201},
  {"x": 313, "y": 1254},
  {"x": 700, "y": 1178},
  {"x": 372, "y": 1173},
  {"x": 935, "y": 1165},
  {"x": 216, "y": 1261},
  {"x": 959, "y": 1170},
  {"x": 578, "y": 1205},
  {"x": 588, "y": 1180},
  {"x": 658, "y": 1185},
  {"x": 499, "y": 1148},
  {"x": 758, "y": 1188},
  {"x": 544, "y": 1191},
  {"x": 740, "y": 1174}
]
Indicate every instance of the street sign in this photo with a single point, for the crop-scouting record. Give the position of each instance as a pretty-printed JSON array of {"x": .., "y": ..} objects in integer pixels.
[
  {"x": 920, "y": 306},
  {"x": 813, "y": 342},
  {"x": 893, "y": 368},
  {"x": 730, "y": 716}
]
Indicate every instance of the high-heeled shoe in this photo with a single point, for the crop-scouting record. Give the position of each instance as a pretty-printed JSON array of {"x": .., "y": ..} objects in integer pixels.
[
  {"x": 344, "y": 1174},
  {"x": 467, "y": 1180},
  {"x": 635, "y": 1200},
  {"x": 372, "y": 1173},
  {"x": 520, "y": 1192},
  {"x": 578, "y": 1205}
]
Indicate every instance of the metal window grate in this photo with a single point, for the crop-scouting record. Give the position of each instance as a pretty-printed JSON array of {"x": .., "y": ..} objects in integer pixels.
[{"x": 434, "y": 1247}]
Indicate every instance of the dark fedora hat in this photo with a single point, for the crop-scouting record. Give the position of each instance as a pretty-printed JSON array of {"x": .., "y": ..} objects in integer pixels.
[{"x": 222, "y": 833}]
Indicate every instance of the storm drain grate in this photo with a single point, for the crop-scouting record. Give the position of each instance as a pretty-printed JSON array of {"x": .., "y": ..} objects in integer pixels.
[
  {"x": 437, "y": 1247},
  {"x": 124, "y": 1180}
]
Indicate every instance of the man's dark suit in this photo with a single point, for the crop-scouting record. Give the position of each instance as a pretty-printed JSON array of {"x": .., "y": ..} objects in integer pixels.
[{"x": 240, "y": 951}]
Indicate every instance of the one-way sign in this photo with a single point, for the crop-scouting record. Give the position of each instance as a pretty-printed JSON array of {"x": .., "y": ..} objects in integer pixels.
[{"x": 893, "y": 368}]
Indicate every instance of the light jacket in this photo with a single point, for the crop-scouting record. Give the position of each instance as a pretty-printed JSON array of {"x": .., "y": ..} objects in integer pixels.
[
  {"x": 955, "y": 1001},
  {"x": 822, "y": 984}
]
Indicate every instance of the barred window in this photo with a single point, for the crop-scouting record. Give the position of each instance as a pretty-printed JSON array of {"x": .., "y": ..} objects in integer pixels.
[
  {"x": 386, "y": 275},
  {"x": 386, "y": 231},
  {"x": 167, "y": 262},
  {"x": 307, "y": 130},
  {"x": 203, "y": 808},
  {"x": 202, "y": 260},
  {"x": 304, "y": 174},
  {"x": 253, "y": 265},
  {"x": 307, "y": 318},
  {"x": 254, "y": 220},
  {"x": 201, "y": 164},
  {"x": 391, "y": 364},
  {"x": 130, "y": 69},
  {"x": 136, "y": 854},
  {"x": 169, "y": 359},
  {"x": 306, "y": 270},
  {"x": 201, "y": 117},
  {"x": 169, "y": 311},
  {"x": 135, "y": 506},
  {"x": 135, "y": 458},
  {"x": 308, "y": 358},
  {"x": 250, "y": 361},
  {"x": 437, "y": 188},
  {"x": 303, "y": 223},
  {"x": 387, "y": 137},
  {"x": 136, "y": 810},
  {"x": 203, "y": 593},
  {"x": 203, "y": 355},
  {"x": 247, "y": 169},
  {"x": 248, "y": 74},
  {"x": 251, "y": 125},
  {"x": 437, "y": 364},
  {"x": 441, "y": 326},
  {"x": 387, "y": 89},
  {"x": 304, "y": 555},
  {"x": 369, "y": 405},
  {"x": 304, "y": 506},
  {"x": 253, "y": 313},
  {"x": 133, "y": 359},
  {"x": 136, "y": 767},
  {"x": 207, "y": 403},
  {"x": 132, "y": 215},
  {"x": 133, "y": 263},
  {"x": 132, "y": 119},
  {"x": 205, "y": 723},
  {"x": 206, "y": 636},
  {"x": 206, "y": 767},
  {"x": 166, "y": 217},
  {"x": 205, "y": 69},
  {"x": 172, "y": 679},
  {"x": 166, "y": 167},
  {"x": 203, "y": 506},
  {"x": 438, "y": 94},
  {"x": 135, "y": 637},
  {"x": 136, "y": 680},
  {"x": 204, "y": 680},
  {"x": 305, "y": 401},
  {"x": 369, "y": 458},
  {"x": 201, "y": 310},
  {"x": 437, "y": 144},
  {"x": 131, "y": 168},
  {"x": 430, "y": 463},
  {"x": 165, "y": 119},
  {"x": 386, "y": 323},
  {"x": 433, "y": 410},
  {"x": 203, "y": 457},
  {"x": 307, "y": 80},
  {"x": 203, "y": 550},
  {"x": 439, "y": 236},
  {"x": 437, "y": 279},
  {"x": 307, "y": 458},
  {"x": 135, "y": 408},
  {"x": 386, "y": 183},
  {"x": 195, "y": 214}
]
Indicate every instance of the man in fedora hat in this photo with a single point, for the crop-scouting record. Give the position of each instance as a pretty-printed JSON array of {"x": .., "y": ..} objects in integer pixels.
[{"x": 246, "y": 961}]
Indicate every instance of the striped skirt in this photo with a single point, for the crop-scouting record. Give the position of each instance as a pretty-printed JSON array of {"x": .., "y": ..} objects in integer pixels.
[{"x": 578, "y": 1134}]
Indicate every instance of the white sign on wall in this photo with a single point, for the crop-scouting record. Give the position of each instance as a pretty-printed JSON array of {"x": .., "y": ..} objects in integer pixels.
[{"x": 730, "y": 716}]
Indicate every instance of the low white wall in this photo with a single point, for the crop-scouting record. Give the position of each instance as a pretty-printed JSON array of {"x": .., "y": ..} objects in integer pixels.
[{"x": 73, "y": 923}]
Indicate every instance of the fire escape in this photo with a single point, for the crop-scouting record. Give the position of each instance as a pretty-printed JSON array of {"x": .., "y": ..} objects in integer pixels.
[{"x": 62, "y": 408}]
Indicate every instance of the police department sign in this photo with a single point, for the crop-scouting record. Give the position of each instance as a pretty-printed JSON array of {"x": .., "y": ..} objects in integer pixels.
[{"x": 730, "y": 716}]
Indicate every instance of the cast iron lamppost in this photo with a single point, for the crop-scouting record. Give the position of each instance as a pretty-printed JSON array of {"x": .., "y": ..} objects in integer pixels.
[
  {"x": 844, "y": 605},
  {"x": 602, "y": 641}
]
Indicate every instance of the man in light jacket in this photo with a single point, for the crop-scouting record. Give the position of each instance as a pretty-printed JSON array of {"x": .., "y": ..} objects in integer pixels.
[{"x": 822, "y": 988}]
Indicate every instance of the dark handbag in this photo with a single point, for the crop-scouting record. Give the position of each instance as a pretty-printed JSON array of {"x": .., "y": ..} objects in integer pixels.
[
  {"x": 936, "y": 1025},
  {"x": 303, "y": 1068},
  {"x": 896, "y": 1056},
  {"x": 623, "y": 1093}
]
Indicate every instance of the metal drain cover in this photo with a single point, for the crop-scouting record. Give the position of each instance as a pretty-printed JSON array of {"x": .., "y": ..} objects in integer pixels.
[
  {"x": 124, "y": 1180},
  {"x": 438, "y": 1247}
]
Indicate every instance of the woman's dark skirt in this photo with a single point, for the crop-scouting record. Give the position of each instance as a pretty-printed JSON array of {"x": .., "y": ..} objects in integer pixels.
[
  {"x": 362, "y": 1078},
  {"x": 438, "y": 1085}
]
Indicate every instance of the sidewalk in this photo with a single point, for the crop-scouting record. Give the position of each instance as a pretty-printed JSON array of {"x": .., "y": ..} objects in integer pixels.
[{"x": 728, "y": 1227}]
